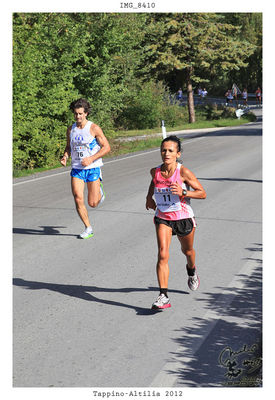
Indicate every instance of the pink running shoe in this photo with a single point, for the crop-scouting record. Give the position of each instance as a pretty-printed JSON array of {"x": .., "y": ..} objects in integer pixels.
[
  {"x": 193, "y": 280},
  {"x": 161, "y": 302}
]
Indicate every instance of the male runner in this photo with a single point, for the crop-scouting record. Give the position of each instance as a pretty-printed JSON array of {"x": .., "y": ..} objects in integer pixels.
[
  {"x": 87, "y": 145},
  {"x": 170, "y": 185}
]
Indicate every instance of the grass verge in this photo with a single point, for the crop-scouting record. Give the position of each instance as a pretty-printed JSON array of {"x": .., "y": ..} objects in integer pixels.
[
  {"x": 119, "y": 148},
  {"x": 225, "y": 122}
]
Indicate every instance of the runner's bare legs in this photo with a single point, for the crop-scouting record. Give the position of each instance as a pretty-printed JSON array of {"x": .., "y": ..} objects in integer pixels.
[
  {"x": 94, "y": 196},
  {"x": 187, "y": 248},
  {"x": 164, "y": 235},
  {"x": 94, "y": 193}
]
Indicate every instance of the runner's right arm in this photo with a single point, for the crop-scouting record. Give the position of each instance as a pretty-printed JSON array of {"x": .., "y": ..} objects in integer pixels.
[
  {"x": 150, "y": 202},
  {"x": 67, "y": 150}
]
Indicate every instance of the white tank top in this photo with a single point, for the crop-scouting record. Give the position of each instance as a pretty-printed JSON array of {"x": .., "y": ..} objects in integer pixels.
[{"x": 83, "y": 144}]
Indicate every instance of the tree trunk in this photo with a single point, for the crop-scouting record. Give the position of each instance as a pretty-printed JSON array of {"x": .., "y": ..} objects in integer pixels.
[{"x": 190, "y": 98}]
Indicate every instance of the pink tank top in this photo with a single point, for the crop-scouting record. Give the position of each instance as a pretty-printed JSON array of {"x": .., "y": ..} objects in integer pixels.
[{"x": 170, "y": 206}]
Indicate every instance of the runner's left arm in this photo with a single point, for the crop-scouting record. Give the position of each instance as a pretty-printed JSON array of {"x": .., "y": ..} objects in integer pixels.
[
  {"x": 189, "y": 179},
  {"x": 96, "y": 131}
]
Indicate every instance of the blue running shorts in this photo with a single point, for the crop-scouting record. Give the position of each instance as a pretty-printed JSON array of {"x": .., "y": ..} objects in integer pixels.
[{"x": 87, "y": 175}]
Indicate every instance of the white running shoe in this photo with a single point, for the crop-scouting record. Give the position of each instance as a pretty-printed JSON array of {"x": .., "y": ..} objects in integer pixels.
[
  {"x": 87, "y": 233},
  {"x": 161, "y": 302},
  {"x": 193, "y": 280}
]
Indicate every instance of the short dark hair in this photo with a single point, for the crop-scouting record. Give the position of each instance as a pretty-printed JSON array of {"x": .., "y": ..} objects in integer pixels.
[
  {"x": 81, "y": 103},
  {"x": 172, "y": 138}
]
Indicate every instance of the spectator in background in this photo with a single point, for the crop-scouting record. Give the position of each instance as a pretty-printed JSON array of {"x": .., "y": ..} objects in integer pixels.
[
  {"x": 204, "y": 93},
  {"x": 199, "y": 91},
  {"x": 229, "y": 96},
  {"x": 244, "y": 96},
  {"x": 180, "y": 94},
  {"x": 235, "y": 94},
  {"x": 258, "y": 94}
]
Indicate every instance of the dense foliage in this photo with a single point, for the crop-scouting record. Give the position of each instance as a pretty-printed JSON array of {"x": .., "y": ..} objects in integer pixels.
[{"x": 126, "y": 65}]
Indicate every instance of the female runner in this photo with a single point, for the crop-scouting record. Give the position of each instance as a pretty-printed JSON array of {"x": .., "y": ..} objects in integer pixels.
[{"x": 170, "y": 186}]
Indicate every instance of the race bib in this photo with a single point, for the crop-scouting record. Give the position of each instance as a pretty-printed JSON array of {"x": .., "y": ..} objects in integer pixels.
[
  {"x": 166, "y": 200},
  {"x": 81, "y": 151}
]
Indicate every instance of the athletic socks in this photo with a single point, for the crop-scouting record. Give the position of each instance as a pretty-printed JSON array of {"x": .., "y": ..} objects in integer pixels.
[
  {"x": 190, "y": 271},
  {"x": 87, "y": 233},
  {"x": 163, "y": 291}
]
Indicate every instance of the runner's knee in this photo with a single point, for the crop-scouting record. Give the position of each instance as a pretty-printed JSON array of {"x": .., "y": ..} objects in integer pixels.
[
  {"x": 79, "y": 200},
  {"x": 163, "y": 254},
  {"x": 188, "y": 252},
  {"x": 93, "y": 203}
]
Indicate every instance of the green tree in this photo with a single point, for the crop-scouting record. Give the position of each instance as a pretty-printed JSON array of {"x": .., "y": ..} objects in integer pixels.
[
  {"x": 107, "y": 73},
  {"x": 195, "y": 45},
  {"x": 250, "y": 75},
  {"x": 58, "y": 57},
  {"x": 44, "y": 48}
]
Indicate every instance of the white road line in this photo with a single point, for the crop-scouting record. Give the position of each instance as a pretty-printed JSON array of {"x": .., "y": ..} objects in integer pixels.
[
  {"x": 105, "y": 162},
  {"x": 166, "y": 379}
]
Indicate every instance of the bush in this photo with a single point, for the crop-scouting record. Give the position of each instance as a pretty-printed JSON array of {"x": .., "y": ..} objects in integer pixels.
[
  {"x": 145, "y": 108},
  {"x": 141, "y": 111},
  {"x": 214, "y": 111},
  {"x": 228, "y": 112},
  {"x": 38, "y": 143},
  {"x": 174, "y": 115}
]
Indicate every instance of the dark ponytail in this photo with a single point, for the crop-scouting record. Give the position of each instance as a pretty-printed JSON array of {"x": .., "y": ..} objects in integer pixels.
[{"x": 172, "y": 138}]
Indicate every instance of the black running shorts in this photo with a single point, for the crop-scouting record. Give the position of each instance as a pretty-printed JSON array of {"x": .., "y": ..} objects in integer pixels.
[{"x": 181, "y": 227}]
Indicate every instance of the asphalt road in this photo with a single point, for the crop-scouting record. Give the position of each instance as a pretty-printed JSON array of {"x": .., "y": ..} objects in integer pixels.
[{"x": 82, "y": 313}]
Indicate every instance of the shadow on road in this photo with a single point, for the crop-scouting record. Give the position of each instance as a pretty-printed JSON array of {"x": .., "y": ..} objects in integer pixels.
[
  {"x": 87, "y": 293},
  {"x": 255, "y": 130},
  {"x": 46, "y": 230},
  {"x": 225, "y": 348},
  {"x": 231, "y": 179}
]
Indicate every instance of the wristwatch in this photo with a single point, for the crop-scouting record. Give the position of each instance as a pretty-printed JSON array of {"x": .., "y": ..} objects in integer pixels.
[{"x": 184, "y": 192}]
